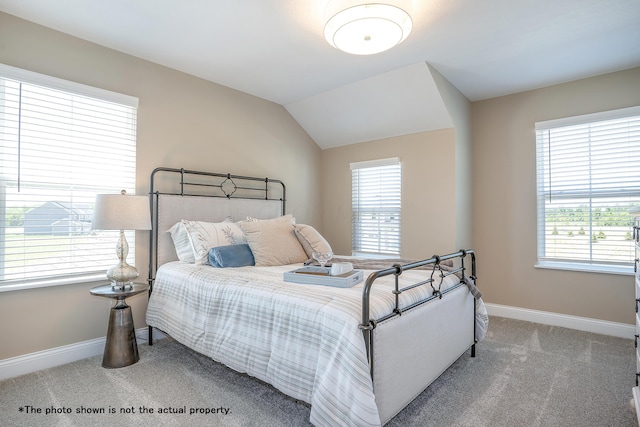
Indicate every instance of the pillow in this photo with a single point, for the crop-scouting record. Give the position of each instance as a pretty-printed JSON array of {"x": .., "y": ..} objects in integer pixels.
[
  {"x": 273, "y": 241},
  {"x": 311, "y": 240},
  {"x": 181, "y": 242},
  {"x": 206, "y": 235},
  {"x": 231, "y": 256}
]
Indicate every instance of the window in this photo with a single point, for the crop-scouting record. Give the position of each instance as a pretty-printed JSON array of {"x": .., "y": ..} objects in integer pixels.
[
  {"x": 376, "y": 189},
  {"x": 61, "y": 143},
  {"x": 588, "y": 171}
]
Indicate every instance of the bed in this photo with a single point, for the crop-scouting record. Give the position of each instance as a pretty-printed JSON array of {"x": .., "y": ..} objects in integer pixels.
[{"x": 357, "y": 355}]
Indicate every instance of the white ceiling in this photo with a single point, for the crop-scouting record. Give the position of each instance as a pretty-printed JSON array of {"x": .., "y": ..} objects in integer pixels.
[{"x": 274, "y": 49}]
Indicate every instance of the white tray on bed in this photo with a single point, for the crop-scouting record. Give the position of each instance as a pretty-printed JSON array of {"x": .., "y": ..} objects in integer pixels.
[{"x": 312, "y": 275}]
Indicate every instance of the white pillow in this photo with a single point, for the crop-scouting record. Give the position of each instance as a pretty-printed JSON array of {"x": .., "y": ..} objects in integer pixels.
[
  {"x": 205, "y": 235},
  {"x": 181, "y": 242},
  {"x": 273, "y": 241},
  {"x": 311, "y": 240}
]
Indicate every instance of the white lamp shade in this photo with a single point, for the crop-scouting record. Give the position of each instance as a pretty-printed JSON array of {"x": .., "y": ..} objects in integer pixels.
[
  {"x": 368, "y": 28},
  {"x": 121, "y": 212}
]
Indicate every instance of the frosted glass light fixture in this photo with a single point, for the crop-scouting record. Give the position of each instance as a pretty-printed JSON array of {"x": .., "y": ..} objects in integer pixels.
[
  {"x": 121, "y": 212},
  {"x": 368, "y": 28}
]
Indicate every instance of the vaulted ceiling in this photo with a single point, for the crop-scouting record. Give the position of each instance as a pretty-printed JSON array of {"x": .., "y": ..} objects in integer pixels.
[{"x": 274, "y": 49}]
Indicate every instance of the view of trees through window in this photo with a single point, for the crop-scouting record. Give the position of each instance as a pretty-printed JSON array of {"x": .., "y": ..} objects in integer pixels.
[{"x": 581, "y": 233}]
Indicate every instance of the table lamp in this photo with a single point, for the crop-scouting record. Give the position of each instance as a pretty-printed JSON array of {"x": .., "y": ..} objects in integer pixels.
[{"x": 121, "y": 212}]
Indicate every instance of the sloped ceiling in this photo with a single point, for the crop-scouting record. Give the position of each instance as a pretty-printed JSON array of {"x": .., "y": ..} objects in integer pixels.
[
  {"x": 274, "y": 49},
  {"x": 399, "y": 102}
]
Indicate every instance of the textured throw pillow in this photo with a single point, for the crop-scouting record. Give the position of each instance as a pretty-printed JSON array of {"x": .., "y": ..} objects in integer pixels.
[
  {"x": 311, "y": 240},
  {"x": 181, "y": 242},
  {"x": 273, "y": 241},
  {"x": 206, "y": 235},
  {"x": 231, "y": 256}
]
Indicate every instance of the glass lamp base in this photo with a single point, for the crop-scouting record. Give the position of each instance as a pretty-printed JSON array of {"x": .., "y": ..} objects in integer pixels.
[{"x": 122, "y": 274}]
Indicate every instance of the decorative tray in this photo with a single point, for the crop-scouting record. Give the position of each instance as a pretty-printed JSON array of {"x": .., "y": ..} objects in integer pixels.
[{"x": 313, "y": 275}]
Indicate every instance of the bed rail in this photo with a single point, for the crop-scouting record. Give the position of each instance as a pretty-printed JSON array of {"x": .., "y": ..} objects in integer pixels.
[{"x": 368, "y": 325}]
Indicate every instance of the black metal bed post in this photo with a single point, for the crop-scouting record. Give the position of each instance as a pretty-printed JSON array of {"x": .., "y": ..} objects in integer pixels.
[
  {"x": 475, "y": 308},
  {"x": 472, "y": 276},
  {"x": 182, "y": 181},
  {"x": 284, "y": 197},
  {"x": 150, "y": 263},
  {"x": 367, "y": 324},
  {"x": 152, "y": 249}
]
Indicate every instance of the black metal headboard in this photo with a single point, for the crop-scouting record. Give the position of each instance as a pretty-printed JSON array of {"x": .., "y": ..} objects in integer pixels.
[{"x": 205, "y": 196}]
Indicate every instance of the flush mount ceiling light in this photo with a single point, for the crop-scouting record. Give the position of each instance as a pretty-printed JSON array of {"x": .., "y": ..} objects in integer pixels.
[{"x": 368, "y": 28}]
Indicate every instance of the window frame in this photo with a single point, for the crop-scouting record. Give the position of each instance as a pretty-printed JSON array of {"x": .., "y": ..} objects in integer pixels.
[
  {"x": 542, "y": 192},
  {"x": 357, "y": 247},
  {"x": 76, "y": 89}
]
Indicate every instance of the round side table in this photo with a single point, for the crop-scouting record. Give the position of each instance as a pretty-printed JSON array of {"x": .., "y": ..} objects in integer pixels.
[{"x": 121, "y": 348}]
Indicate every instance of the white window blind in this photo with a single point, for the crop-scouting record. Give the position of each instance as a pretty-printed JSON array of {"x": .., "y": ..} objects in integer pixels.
[
  {"x": 376, "y": 191},
  {"x": 61, "y": 143},
  {"x": 588, "y": 175}
]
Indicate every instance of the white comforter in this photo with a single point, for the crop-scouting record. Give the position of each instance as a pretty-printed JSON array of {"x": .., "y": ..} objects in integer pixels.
[{"x": 302, "y": 339}]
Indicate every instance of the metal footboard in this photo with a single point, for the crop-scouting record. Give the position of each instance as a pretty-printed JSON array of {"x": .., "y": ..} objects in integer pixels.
[{"x": 368, "y": 325}]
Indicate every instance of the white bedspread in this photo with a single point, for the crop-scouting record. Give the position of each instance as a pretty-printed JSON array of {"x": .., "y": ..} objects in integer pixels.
[{"x": 302, "y": 339}]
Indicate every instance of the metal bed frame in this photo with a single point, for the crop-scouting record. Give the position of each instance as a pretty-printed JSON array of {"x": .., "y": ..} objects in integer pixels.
[{"x": 207, "y": 184}]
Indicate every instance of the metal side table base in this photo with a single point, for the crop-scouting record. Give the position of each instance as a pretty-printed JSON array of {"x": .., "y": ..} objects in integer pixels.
[{"x": 121, "y": 348}]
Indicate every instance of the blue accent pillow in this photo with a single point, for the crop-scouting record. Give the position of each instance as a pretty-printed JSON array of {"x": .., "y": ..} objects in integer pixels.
[{"x": 231, "y": 256}]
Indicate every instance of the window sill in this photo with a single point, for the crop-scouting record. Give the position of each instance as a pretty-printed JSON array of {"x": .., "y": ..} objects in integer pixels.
[
  {"x": 34, "y": 284},
  {"x": 373, "y": 256},
  {"x": 567, "y": 266}
]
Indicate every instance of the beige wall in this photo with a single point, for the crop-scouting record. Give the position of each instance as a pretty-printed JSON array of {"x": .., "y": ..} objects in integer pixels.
[
  {"x": 459, "y": 109},
  {"x": 183, "y": 121},
  {"x": 428, "y": 191},
  {"x": 504, "y": 200}
]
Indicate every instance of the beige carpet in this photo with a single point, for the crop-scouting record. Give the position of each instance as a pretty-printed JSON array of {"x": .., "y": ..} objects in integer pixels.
[{"x": 524, "y": 374}]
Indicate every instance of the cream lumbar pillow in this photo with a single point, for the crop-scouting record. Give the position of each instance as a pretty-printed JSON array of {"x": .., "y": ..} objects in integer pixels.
[
  {"x": 311, "y": 240},
  {"x": 273, "y": 241}
]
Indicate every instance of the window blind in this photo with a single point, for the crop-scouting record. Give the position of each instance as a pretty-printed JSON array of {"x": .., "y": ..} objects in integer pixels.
[
  {"x": 61, "y": 143},
  {"x": 376, "y": 202},
  {"x": 588, "y": 177}
]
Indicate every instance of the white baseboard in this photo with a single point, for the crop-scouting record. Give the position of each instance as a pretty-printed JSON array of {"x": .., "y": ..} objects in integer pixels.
[
  {"x": 32, "y": 362},
  {"x": 25, "y": 364},
  {"x": 621, "y": 330}
]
